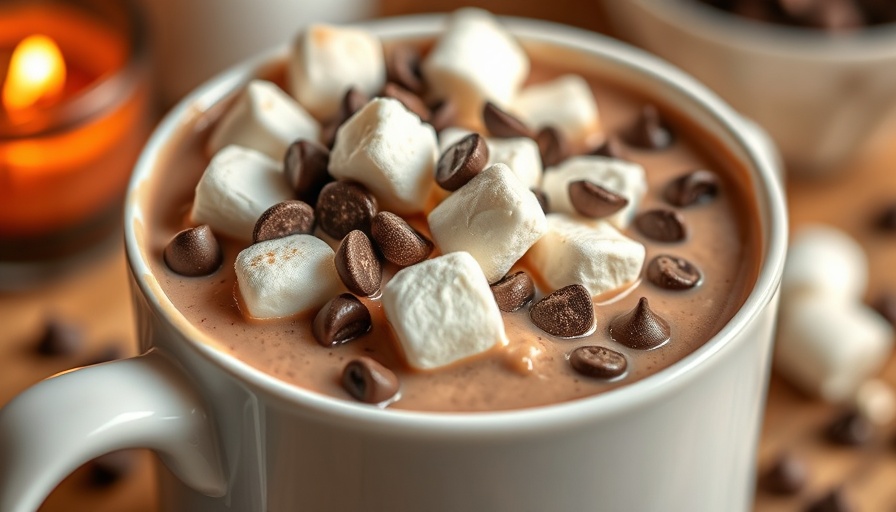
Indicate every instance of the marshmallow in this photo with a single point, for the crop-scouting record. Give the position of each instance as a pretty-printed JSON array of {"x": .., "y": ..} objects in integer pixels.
[
  {"x": 266, "y": 119},
  {"x": 519, "y": 153},
  {"x": 326, "y": 61},
  {"x": 566, "y": 103},
  {"x": 494, "y": 217},
  {"x": 238, "y": 185},
  {"x": 618, "y": 176},
  {"x": 474, "y": 61},
  {"x": 286, "y": 276},
  {"x": 442, "y": 310},
  {"x": 592, "y": 254},
  {"x": 391, "y": 152},
  {"x": 828, "y": 347},
  {"x": 823, "y": 259},
  {"x": 876, "y": 401}
]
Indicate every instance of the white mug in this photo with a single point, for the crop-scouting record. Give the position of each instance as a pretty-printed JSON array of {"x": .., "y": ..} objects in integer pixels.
[{"x": 233, "y": 438}]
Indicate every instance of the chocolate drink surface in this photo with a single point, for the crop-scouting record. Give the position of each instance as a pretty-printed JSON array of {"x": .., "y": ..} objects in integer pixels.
[{"x": 700, "y": 233}]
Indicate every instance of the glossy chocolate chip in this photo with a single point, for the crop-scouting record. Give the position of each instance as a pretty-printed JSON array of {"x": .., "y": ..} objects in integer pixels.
[
  {"x": 598, "y": 362},
  {"x": 692, "y": 188},
  {"x": 411, "y": 101},
  {"x": 552, "y": 145},
  {"x": 194, "y": 252},
  {"x": 500, "y": 123},
  {"x": 649, "y": 131},
  {"x": 513, "y": 291},
  {"x": 850, "y": 428},
  {"x": 403, "y": 68},
  {"x": 369, "y": 381},
  {"x": 108, "y": 469},
  {"x": 661, "y": 225},
  {"x": 833, "y": 501},
  {"x": 594, "y": 201},
  {"x": 442, "y": 115},
  {"x": 567, "y": 312},
  {"x": 59, "y": 338},
  {"x": 612, "y": 147},
  {"x": 284, "y": 219},
  {"x": 786, "y": 476},
  {"x": 673, "y": 273},
  {"x": 358, "y": 265},
  {"x": 542, "y": 199},
  {"x": 640, "y": 328},
  {"x": 342, "y": 319},
  {"x": 398, "y": 241},
  {"x": 344, "y": 206},
  {"x": 461, "y": 162},
  {"x": 305, "y": 166}
]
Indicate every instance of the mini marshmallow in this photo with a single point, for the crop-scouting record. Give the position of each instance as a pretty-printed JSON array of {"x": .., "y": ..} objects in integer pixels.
[
  {"x": 238, "y": 185},
  {"x": 266, "y": 119},
  {"x": 618, "y": 176},
  {"x": 442, "y": 310},
  {"x": 326, "y": 61},
  {"x": 519, "y": 153},
  {"x": 474, "y": 61},
  {"x": 876, "y": 401},
  {"x": 566, "y": 103},
  {"x": 391, "y": 152},
  {"x": 824, "y": 259},
  {"x": 593, "y": 254},
  {"x": 286, "y": 276},
  {"x": 828, "y": 347},
  {"x": 494, "y": 217}
]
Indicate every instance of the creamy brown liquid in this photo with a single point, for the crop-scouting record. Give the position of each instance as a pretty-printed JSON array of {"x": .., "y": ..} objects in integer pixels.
[{"x": 532, "y": 370}]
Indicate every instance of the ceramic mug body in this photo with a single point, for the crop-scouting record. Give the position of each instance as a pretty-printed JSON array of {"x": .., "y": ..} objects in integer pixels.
[{"x": 682, "y": 439}]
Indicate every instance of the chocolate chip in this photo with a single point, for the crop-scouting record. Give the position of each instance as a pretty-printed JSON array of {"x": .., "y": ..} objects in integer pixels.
[
  {"x": 886, "y": 306},
  {"x": 542, "y": 199},
  {"x": 594, "y": 201},
  {"x": 787, "y": 476},
  {"x": 342, "y": 319},
  {"x": 612, "y": 147},
  {"x": 598, "y": 362},
  {"x": 358, "y": 265},
  {"x": 398, "y": 241},
  {"x": 661, "y": 225},
  {"x": 284, "y": 219},
  {"x": 502, "y": 124},
  {"x": 567, "y": 312},
  {"x": 60, "y": 338},
  {"x": 552, "y": 145},
  {"x": 194, "y": 252},
  {"x": 305, "y": 166},
  {"x": 673, "y": 273},
  {"x": 692, "y": 188},
  {"x": 850, "y": 428},
  {"x": 513, "y": 291},
  {"x": 344, "y": 206},
  {"x": 403, "y": 68},
  {"x": 640, "y": 328},
  {"x": 352, "y": 102},
  {"x": 834, "y": 501},
  {"x": 886, "y": 220},
  {"x": 461, "y": 162},
  {"x": 108, "y": 469},
  {"x": 369, "y": 381},
  {"x": 411, "y": 101},
  {"x": 442, "y": 115},
  {"x": 649, "y": 132}
]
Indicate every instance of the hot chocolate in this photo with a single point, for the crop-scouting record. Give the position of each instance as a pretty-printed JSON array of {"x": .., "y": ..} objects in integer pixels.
[{"x": 690, "y": 240}]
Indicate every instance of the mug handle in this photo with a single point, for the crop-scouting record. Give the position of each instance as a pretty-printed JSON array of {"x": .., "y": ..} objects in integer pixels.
[{"x": 58, "y": 424}]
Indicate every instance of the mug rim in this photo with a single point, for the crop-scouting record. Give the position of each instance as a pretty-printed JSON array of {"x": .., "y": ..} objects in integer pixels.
[{"x": 762, "y": 169}]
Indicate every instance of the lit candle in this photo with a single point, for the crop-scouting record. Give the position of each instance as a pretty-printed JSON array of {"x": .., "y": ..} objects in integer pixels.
[{"x": 74, "y": 112}]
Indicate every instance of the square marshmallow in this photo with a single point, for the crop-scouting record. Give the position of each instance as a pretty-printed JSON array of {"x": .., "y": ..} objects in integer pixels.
[
  {"x": 238, "y": 185},
  {"x": 590, "y": 253},
  {"x": 266, "y": 119},
  {"x": 391, "y": 152},
  {"x": 565, "y": 103},
  {"x": 442, "y": 310},
  {"x": 494, "y": 217}
]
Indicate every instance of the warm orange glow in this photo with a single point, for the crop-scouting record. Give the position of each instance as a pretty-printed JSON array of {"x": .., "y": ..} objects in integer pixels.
[{"x": 36, "y": 72}]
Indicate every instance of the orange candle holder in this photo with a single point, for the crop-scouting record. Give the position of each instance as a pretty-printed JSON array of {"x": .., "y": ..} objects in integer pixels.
[{"x": 69, "y": 135}]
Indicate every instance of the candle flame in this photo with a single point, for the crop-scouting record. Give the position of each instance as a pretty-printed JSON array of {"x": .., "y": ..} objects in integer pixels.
[{"x": 36, "y": 72}]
